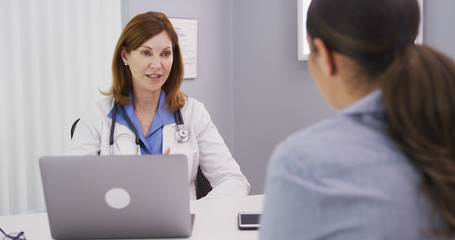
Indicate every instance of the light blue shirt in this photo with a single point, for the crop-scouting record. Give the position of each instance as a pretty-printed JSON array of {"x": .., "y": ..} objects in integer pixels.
[
  {"x": 153, "y": 142},
  {"x": 344, "y": 179}
]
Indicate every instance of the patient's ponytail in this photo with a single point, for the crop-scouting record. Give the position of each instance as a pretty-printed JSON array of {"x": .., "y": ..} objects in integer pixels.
[
  {"x": 418, "y": 85},
  {"x": 419, "y": 95}
]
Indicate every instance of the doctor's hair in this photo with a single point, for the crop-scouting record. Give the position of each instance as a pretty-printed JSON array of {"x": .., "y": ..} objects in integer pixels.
[
  {"x": 138, "y": 30},
  {"x": 417, "y": 82}
]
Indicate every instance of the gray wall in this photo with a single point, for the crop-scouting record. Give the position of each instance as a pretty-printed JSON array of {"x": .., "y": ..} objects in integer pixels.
[
  {"x": 249, "y": 77},
  {"x": 274, "y": 93},
  {"x": 438, "y": 25}
]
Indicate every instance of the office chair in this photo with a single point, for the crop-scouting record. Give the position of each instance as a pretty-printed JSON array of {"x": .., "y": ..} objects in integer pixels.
[{"x": 201, "y": 183}]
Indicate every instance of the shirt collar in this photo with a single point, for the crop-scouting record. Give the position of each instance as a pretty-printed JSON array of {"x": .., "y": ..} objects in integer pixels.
[
  {"x": 162, "y": 116},
  {"x": 368, "y": 104}
]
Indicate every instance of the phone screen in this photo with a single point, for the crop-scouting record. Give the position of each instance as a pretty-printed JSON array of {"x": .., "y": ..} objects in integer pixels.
[
  {"x": 250, "y": 218},
  {"x": 249, "y": 221}
]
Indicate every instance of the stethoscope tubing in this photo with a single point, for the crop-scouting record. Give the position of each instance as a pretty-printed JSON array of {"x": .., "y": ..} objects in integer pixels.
[
  {"x": 181, "y": 134},
  {"x": 114, "y": 119}
]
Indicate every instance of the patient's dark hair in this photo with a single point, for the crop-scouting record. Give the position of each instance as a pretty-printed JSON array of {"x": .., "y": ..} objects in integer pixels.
[{"x": 418, "y": 85}]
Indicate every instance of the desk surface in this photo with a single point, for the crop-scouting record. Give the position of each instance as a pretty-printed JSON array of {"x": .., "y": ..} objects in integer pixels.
[{"x": 215, "y": 219}]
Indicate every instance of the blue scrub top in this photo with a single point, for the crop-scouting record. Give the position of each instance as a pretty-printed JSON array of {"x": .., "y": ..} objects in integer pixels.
[{"x": 153, "y": 142}]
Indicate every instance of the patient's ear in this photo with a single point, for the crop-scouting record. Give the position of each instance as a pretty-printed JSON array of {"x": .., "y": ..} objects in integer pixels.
[{"x": 326, "y": 57}]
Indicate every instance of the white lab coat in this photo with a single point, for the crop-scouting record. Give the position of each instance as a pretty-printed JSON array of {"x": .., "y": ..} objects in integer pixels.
[{"x": 205, "y": 146}]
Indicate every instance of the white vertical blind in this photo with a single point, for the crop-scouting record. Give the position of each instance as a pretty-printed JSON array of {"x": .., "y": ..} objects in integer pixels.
[{"x": 56, "y": 55}]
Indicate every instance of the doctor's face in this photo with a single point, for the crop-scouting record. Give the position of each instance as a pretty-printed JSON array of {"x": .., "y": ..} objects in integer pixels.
[{"x": 151, "y": 63}]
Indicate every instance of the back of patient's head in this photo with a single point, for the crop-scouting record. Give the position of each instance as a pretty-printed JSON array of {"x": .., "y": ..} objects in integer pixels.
[
  {"x": 367, "y": 31},
  {"x": 417, "y": 82}
]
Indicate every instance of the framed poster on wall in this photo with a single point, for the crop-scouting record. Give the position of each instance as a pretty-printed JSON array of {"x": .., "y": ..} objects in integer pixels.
[
  {"x": 187, "y": 31},
  {"x": 304, "y": 48},
  {"x": 419, "y": 38}
]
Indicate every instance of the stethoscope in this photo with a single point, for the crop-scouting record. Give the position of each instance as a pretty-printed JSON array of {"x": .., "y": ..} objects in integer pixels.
[{"x": 181, "y": 135}]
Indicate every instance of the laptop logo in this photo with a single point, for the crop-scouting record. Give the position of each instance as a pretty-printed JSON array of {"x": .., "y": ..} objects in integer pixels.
[{"x": 117, "y": 198}]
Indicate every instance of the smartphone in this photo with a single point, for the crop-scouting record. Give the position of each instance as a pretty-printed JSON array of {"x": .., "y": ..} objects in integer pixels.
[{"x": 249, "y": 220}]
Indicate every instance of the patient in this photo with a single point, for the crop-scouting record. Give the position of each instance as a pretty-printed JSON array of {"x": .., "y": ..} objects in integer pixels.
[{"x": 384, "y": 166}]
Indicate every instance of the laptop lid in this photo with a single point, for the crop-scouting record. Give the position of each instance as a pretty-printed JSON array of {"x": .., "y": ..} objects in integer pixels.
[{"x": 144, "y": 196}]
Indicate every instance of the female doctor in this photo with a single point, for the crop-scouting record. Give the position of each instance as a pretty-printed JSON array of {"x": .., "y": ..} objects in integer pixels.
[{"x": 146, "y": 113}]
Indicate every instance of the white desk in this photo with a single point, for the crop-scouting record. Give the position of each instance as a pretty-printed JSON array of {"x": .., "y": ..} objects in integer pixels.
[{"x": 215, "y": 219}]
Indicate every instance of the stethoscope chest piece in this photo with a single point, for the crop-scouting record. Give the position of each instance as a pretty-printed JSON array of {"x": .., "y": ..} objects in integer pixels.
[{"x": 182, "y": 134}]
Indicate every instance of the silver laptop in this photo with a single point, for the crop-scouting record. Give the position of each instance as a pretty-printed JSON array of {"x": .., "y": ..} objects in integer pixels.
[{"x": 144, "y": 196}]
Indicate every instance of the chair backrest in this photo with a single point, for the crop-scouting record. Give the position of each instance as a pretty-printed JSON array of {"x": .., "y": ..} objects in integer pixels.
[
  {"x": 202, "y": 184},
  {"x": 73, "y": 127}
]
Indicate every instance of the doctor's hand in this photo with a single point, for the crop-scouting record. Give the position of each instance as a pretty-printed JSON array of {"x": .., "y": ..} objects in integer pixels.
[{"x": 168, "y": 150}]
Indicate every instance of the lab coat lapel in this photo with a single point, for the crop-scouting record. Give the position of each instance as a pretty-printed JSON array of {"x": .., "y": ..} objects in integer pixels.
[{"x": 169, "y": 139}]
